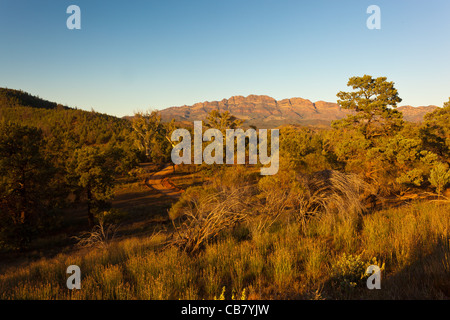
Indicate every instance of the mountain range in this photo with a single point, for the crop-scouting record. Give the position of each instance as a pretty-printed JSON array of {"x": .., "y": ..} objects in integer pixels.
[
  {"x": 258, "y": 110},
  {"x": 266, "y": 112}
]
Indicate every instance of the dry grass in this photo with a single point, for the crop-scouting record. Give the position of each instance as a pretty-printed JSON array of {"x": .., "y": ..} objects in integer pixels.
[
  {"x": 101, "y": 235},
  {"x": 331, "y": 192},
  {"x": 283, "y": 261},
  {"x": 203, "y": 220}
]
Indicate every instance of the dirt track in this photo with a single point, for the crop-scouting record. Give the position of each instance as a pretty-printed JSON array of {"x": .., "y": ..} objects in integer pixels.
[{"x": 159, "y": 181}]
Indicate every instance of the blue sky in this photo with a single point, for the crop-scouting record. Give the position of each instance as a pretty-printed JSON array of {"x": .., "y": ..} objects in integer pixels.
[{"x": 139, "y": 55}]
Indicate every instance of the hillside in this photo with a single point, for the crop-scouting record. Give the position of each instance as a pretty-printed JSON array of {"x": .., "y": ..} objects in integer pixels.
[
  {"x": 14, "y": 98},
  {"x": 415, "y": 114},
  {"x": 264, "y": 111},
  {"x": 78, "y": 127}
]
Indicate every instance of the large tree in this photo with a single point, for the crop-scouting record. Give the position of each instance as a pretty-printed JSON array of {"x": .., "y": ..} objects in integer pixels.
[
  {"x": 152, "y": 135},
  {"x": 373, "y": 101},
  {"x": 28, "y": 192},
  {"x": 92, "y": 173},
  {"x": 435, "y": 131}
]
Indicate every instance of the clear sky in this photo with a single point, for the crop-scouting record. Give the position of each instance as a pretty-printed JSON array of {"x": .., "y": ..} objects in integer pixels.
[{"x": 139, "y": 55}]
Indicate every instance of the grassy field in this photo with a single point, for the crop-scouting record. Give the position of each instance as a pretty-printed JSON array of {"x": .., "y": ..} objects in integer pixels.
[{"x": 326, "y": 260}]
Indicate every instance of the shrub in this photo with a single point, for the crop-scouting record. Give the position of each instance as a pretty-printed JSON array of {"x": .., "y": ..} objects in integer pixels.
[
  {"x": 277, "y": 195},
  {"x": 330, "y": 192},
  {"x": 204, "y": 218},
  {"x": 349, "y": 271},
  {"x": 412, "y": 177},
  {"x": 101, "y": 235},
  {"x": 440, "y": 177}
]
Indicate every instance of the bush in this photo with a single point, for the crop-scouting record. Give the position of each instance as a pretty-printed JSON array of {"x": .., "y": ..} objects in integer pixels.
[
  {"x": 349, "y": 271},
  {"x": 440, "y": 177},
  {"x": 330, "y": 192},
  {"x": 188, "y": 200},
  {"x": 204, "y": 217}
]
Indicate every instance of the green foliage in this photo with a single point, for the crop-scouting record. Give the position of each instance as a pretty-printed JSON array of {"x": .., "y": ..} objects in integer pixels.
[
  {"x": 301, "y": 148},
  {"x": 440, "y": 177},
  {"x": 388, "y": 161},
  {"x": 401, "y": 159},
  {"x": 112, "y": 216},
  {"x": 348, "y": 146},
  {"x": 63, "y": 132},
  {"x": 188, "y": 200},
  {"x": 349, "y": 271},
  {"x": 66, "y": 129},
  {"x": 14, "y": 98},
  {"x": 374, "y": 101},
  {"x": 152, "y": 136},
  {"x": 28, "y": 194},
  {"x": 92, "y": 172},
  {"x": 435, "y": 131},
  {"x": 413, "y": 177}
]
